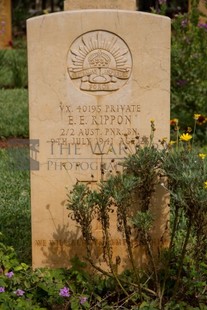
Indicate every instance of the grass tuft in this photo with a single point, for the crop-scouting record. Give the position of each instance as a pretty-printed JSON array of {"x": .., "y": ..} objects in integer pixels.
[{"x": 14, "y": 113}]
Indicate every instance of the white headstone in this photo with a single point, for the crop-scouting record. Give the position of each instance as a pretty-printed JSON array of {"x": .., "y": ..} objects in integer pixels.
[{"x": 96, "y": 79}]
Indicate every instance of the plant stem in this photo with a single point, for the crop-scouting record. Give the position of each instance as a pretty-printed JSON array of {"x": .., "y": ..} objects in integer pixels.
[
  {"x": 175, "y": 225},
  {"x": 129, "y": 248},
  {"x": 111, "y": 263},
  {"x": 157, "y": 283},
  {"x": 182, "y": 256},
  {"x": 104, "y": 222},
  {"x": 194, "y": 130}
]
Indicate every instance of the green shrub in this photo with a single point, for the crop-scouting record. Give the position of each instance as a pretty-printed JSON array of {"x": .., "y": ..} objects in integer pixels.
[
  {"x": 176, "y": 273},
  {"x": 189, "y": 74},
  {"x": 13, "y": 68}
]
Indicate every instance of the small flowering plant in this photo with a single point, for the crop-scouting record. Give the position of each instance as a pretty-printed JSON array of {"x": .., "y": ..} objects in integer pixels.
[
  {"x": 2, "y": 289},
  {"x": 24, "y": 288},
  {"x": 188, "y": 136},
  {"x": 64, "y": 292},
  {"x": 9, "y": 274},
  {"x": 185, "y": 137},
  {"x": 83, "y": 300},
  {"x": 19, "y": 292},
  {"x": 202, "y": 155}
]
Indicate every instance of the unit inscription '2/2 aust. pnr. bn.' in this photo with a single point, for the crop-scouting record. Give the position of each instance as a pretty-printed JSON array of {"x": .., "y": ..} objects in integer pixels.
[{"x": 99, "y": 62}]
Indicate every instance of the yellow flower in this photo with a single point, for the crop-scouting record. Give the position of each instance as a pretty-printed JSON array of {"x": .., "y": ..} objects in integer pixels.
[
  {"x": 205, "y": 184},
  {"x": 172, "y": 142},
  {"x": 201, "y": 120},
  {"x": 152, "y": 121},
  {"x": 185, "y": 137},
  {"x": 202, "y": 156},
  {"x": 196, "y": 116},
  {"x": 173, "y": 121}
]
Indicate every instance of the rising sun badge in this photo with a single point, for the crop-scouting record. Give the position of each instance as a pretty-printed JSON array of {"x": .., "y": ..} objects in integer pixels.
[{"x": 99, "y": 62}]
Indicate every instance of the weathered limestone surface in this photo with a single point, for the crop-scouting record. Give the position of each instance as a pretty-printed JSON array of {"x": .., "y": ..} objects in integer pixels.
[
  {"x": 100, "y": 4},
  {"x": 203, "y": 10},
  {"x": 5, "y": 24}
]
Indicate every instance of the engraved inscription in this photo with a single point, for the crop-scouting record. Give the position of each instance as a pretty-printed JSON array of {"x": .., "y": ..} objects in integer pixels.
[
  {"x": 93, "y": 139},
  {"x": 99, "y": 62},
  {"x": 100, "y": 4},
  {"x": 74, "y": 243}
]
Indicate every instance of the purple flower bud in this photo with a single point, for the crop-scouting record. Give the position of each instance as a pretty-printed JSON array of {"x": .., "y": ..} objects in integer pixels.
[
  {"x": 83, "y": 299},
  {"x": 2, "y": 289},
  {"x": 19, "y": 292},
  {"x": 9, "y": 274},
  {"x": 204, "y": 26},
  {"x": 184, "y": 23},
  {"x": 64, "y": 292}
]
